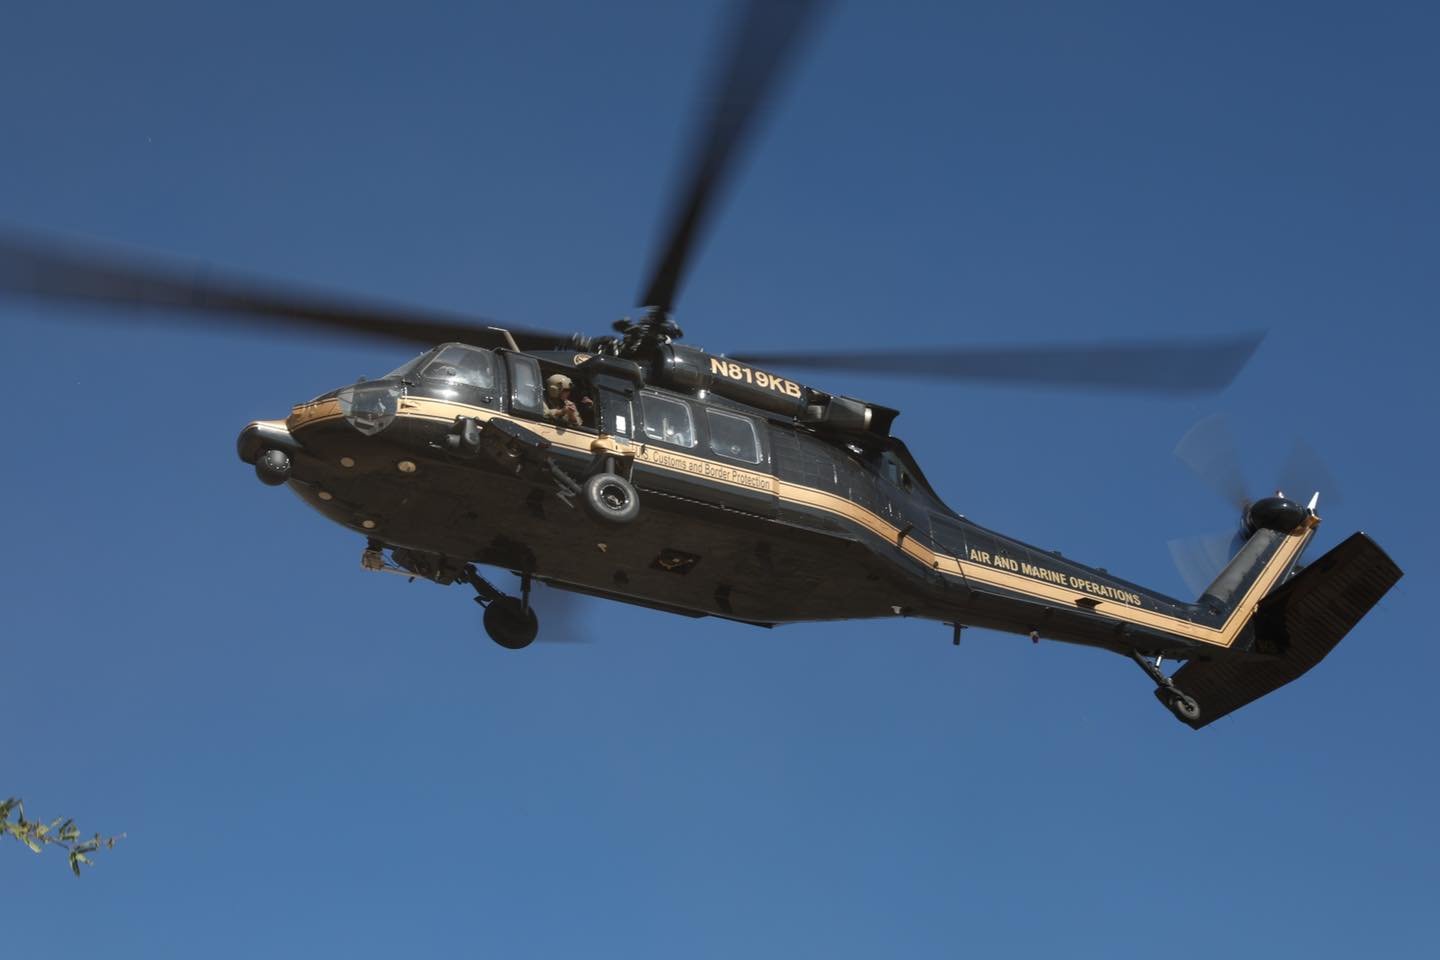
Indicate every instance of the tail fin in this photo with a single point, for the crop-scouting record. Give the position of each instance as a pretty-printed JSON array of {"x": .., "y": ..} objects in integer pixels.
[{"x": 1294, "y": 626}]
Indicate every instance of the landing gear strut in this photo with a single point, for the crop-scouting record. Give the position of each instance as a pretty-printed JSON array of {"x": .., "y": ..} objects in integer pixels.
[
  {"x": 1184, "y": 706},
  {"x": 508, "y": 620}
]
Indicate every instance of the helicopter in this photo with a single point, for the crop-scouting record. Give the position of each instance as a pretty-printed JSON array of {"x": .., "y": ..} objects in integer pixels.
[{"x": 632, "y": 466}]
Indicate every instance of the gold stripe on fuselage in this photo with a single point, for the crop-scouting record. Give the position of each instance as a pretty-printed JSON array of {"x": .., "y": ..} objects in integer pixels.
[{"x": 674, "y": 461}]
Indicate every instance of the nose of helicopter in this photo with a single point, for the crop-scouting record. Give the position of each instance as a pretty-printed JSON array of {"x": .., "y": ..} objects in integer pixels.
[{"x": 368, "y": 407}]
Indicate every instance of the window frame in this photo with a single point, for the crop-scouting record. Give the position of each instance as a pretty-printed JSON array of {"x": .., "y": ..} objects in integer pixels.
[
  {"x": 513, "y": 361},
  {"x": 609, "y": 403},
  {"x": 893, "y": 469},
  {"x": 759, "y": 452},
  {"x": 645, "y": 422}
]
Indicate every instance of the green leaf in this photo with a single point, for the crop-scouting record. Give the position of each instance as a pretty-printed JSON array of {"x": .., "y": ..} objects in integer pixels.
[{"x": 61, "y": 832}]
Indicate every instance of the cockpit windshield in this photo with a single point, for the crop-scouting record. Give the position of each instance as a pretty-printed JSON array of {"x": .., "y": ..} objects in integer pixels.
[
  {"x": 406, "y": 370},
  {"x": 451, "y": 365},
  {"x": 459, "y": 366}
]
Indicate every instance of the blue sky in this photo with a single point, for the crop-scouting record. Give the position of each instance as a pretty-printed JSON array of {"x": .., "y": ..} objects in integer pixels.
[{"x": 308, "y": 758}]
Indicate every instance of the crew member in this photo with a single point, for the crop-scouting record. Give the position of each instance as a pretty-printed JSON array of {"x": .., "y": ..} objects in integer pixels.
[{"x": 559, "y": 408}]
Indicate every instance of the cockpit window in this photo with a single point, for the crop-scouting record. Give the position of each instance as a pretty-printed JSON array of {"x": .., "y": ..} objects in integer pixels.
[
  {"x": 526, "y": 392},
  {"x": 459, "y": 366}
]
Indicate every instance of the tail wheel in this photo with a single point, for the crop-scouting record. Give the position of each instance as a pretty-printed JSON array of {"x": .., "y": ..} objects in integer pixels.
[
  {"x": 510, "y": 624},
  {"x": 610, "y": 498},
  {"x": 1184, "y": 707}
]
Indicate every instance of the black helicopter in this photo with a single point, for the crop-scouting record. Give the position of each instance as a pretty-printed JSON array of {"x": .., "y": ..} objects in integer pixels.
[{"x": 632, "y": 467}]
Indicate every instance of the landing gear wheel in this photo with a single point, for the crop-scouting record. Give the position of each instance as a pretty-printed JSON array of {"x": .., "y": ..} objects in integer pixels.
[
  {"x": 510, "y": 624},
  {"x": 1184, "y": 707},
  {"x": 610, "y": 498}
]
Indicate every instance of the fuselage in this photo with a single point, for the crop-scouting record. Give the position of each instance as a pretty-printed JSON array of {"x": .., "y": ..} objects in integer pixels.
[{"x": 744, "y": 514}]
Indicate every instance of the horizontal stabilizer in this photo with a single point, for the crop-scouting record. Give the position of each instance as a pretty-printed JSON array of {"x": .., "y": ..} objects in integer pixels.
[{"x": 1298, "y": 624}]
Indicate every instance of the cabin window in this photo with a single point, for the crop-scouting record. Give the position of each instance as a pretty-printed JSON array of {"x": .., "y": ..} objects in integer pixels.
[
  {"x": 457, "y": 366},
  {"x": 667, "y": 420},
  {"x": 733, "y": 437},
  {"x": 526, "y": 395}
]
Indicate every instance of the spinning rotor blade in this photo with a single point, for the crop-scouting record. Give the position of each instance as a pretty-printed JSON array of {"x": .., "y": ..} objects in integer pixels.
[
  {"x": 1305, "y": 473},
  {"x": 1200, "y": 559},
  {"x": 762, "y": 45},
  {"x": 1209, "y": 450},
  {"x": 1147, "y": 366},
  {"x": 565, "y": 616},
  {"x": 62, "y": 272}
]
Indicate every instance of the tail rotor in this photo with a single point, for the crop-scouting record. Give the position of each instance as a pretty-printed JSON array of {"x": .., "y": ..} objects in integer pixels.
[{"x": 1210, "y": 451}]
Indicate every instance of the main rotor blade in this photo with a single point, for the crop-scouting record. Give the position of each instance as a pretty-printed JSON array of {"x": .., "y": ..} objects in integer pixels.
[
  {"x": 565, "y": 616},
  {"x": 764, "y": 39},
  {"x": 1147, "y": 366},
  {"x": 68, "y": 273}
]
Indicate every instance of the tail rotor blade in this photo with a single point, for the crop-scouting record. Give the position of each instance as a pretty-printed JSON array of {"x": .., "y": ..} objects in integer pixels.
[
  {"x": 1305, "y": 473},
  {"x": 1209, "y": 451},
  {"x": 1200, "y": 559}
]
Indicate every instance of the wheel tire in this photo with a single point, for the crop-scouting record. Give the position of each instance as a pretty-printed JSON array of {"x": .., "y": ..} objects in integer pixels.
[
  {"x": 1185, "y": 708},
  {"x": 610, "y": 498},
  {"x": 509, "y": 624}
]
